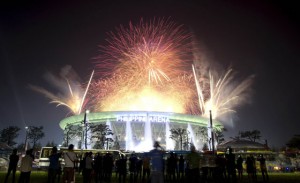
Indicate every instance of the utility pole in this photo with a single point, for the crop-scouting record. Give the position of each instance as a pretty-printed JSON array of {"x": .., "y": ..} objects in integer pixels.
[
  {"x": 84, "y": 131},
  {"x": 212, "y": 133},
  {"x": 26, "y": 139}
]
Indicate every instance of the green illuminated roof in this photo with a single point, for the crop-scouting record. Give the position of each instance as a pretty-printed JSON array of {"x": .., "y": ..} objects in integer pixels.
[{"x": 112, "y": 116}]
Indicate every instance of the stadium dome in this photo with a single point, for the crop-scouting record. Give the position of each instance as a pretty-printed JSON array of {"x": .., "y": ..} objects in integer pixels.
[{"x": 136, "y": 130}]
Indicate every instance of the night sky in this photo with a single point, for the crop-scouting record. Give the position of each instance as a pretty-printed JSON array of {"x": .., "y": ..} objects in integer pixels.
[{"x": 253, "y": 37}]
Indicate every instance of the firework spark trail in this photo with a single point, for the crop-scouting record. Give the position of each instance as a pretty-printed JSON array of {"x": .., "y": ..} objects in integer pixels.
[
  {"x": 84, "y": 95},
  {"x": 71, "y": 94},
  {"x": 223, "y": 96}
]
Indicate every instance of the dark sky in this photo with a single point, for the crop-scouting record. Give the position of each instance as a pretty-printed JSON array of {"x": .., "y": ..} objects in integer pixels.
[{"x": 254, "y": 37}]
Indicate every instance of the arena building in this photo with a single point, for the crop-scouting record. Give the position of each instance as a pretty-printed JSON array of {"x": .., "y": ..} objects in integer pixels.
[{"x": 137, "y": 130}]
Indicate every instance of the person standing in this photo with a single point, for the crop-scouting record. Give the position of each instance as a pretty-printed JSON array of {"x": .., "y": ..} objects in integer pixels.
[
  {"x": 254, "y": 168},
  {"x": 26, "y": 167},
  {"x": 263, "y": 168},
  {"x": 181, "y": 168},
  {"x": 193, "y": 161},
  {"x": 230, "y": 159},
  {"x": 98, "y": 168},
  {"x": 13, "y": 162},
  {"x": 249, "y": 168},
  {"x": 122, "y": 163},
  {"x": 54, "y": 165},
  {"x": 171, "y": 167},
  {"x": 108, "y": 163},
  {"x": 70, "y": 159},
  {"x": 132, "y": 167},
  {"x": 146, "y": 167},
  {"x": 88, "y": 168},
  {"x": 239, "y": 166},
  {"x": 157, "y": 162}
]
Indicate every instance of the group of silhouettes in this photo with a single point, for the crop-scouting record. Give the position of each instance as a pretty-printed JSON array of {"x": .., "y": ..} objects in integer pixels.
[
  {"x": 25, "y": 166},
  {"x": 231, "y": 169},
  {"x": 155, "y": 166}
]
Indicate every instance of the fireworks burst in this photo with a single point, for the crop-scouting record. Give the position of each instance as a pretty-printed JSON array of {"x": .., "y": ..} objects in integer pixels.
[
  {"x": 72, "y": 94},
  {"x": 153, "y": 52},
  {"x": 221, "y": 94},
  {"x": 147, "y": 67},
  {"x": 146, "y": 62}
]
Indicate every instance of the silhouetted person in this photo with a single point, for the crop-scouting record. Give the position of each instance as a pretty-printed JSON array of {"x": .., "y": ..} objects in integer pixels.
[
  {"x": 254, "y": 168},
  {"x": 193, "y": 163},
  {"x": 171, "y": 167},
  {"x": 122, "y": 163},
  {"x": 221, "y": 168},
  {"x": 157, "y": 162},
  {"x": 146, "y": 166},
  {"x": 26, "y": 167},
  {"x": 263, "y": 168},
  {"x": 249, "y": 168},
  {"x": 133, "y": 167},
  {"x": 88, "y": 168},
  {"x": 181, "y": 167},
  {"x": 98, "y": 169},
  {"x": 239, "y": 166},
  {"x": 82, "y": 163},
  {"x": 231, "y": 172},
  {"x": 139, "y": 167},
  {"x": 54, "y": 165},
  {"x": 13, "y": 162},
  {"x": 108, "y": 164}
]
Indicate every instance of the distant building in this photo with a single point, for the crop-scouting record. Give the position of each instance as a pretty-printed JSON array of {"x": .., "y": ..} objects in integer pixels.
[{"x": 244, "y": 146}]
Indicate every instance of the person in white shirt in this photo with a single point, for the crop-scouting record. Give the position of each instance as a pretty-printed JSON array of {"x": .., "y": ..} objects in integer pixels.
[
  {"x": 70, "y": 158},
  {"x": 26, "y": 167}
]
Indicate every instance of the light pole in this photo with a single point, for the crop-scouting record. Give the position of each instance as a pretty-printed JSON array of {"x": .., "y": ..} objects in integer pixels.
[
  {"x": 84, "y": 129},
  {"x": 26, "y": 137},
  {"x": 212, "y": 133}
]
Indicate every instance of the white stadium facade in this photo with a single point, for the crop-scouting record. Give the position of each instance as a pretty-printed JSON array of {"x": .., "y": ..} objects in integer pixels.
[{"x": 137, "y": 130}]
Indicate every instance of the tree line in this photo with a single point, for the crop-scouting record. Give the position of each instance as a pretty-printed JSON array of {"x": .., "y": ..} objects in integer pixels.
[
  {"x": 9, "y": 134},
  {"x": 102, "y": 136}
]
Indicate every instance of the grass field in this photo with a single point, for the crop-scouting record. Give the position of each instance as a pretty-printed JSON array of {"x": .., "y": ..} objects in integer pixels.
[{"x": 41, "y": 177}]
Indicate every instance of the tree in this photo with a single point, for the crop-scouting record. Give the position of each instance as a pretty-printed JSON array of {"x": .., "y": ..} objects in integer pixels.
[
  {"x": 37, "y": 147},
  {"x": 294, "y": 142},
  {"x": 177, "y": 135},
  {"x": 35, "y": 134},
  {"x": 253, "y": 135},
  {"x": 51, "y": 144},
  {"x": 100, "y": 132},
  {"x": 9, "y": 134},
  {"x": 220, "y": 136},
  {"x": 203, "y": 133},
  {"x": 71, "y": 132}
]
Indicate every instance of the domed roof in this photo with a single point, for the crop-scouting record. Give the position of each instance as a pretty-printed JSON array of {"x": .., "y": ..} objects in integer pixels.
[{"x": 238, "y": 145}]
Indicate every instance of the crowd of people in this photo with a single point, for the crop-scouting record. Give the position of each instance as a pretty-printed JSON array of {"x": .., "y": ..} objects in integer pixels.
[{"x": 155, "y": 166}]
